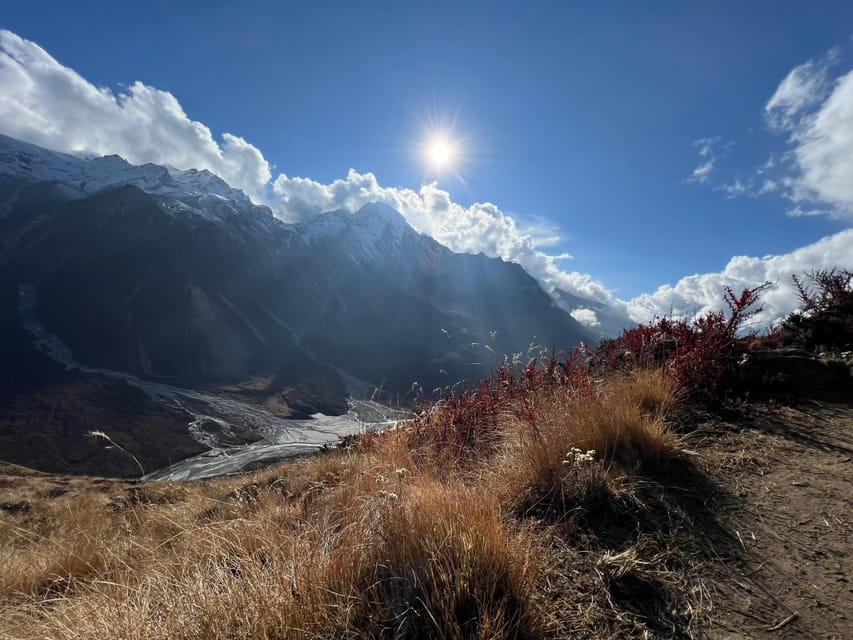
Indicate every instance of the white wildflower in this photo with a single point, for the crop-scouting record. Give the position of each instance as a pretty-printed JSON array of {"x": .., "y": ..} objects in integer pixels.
[{"x": 577, "y": 458}]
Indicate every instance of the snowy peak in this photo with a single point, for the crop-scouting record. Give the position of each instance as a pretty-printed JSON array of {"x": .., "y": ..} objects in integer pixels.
[
  {"x": 90, "y": 175},
  {"x": 373, "y": 220},
  {"x": 375, "y": 235},
  {"x": 202, "y": 182},
  {"x": 379, "y": 216},
  {"x": 25, "y": 160}
]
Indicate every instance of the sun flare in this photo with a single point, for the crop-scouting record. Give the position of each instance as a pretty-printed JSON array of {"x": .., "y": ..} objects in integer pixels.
[{"x": 440, "y": 153}]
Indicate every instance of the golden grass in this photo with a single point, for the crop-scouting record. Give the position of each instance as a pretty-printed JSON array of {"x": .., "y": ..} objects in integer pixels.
[
  {"x": 376, "y": 542},
  {"x": 622, "y": 425}
]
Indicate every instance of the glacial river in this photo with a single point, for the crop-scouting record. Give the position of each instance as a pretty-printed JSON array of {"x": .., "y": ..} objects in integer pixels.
[{"x": 280, "y": 437}]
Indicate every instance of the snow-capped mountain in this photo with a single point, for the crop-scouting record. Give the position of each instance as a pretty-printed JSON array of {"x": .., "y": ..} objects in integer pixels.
[
  {"x": 86, "y": 176},
  {"x": 375, "y": 233},
  {"x": 175, "y": 277}
]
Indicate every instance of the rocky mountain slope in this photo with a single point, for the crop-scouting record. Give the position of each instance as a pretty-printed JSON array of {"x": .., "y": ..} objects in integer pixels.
[{"x": 174, "y": 277}]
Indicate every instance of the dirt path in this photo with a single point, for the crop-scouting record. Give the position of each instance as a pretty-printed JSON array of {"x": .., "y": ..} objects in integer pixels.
[{"x": 789, "y": 471}]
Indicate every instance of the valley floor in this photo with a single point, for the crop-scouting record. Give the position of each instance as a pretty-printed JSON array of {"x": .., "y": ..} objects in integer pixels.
[{"x": 747, "y": 532}]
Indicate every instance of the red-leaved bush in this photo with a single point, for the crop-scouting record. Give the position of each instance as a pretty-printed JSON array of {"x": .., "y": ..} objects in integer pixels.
[
  {"x": 826, "y": 318},
  {"x": 460, "y": 425},
  {"x": 698, "y": 352},
  {"x": 464, "y": 424}
]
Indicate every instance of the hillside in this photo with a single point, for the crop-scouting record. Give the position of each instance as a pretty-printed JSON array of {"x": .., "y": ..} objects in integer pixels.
[{"x": 692, "y": 526}]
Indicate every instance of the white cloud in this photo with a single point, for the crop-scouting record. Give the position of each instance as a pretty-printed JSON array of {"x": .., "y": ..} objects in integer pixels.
[
  {"x": 544, "y": 232},
  {"x": 586, "y": 317},
  {"x": 710, "y": 150},
  {"x": 815, "y": 112},
  {"x": 803, "y": 87},
  {"x": 813, "y": 109},
  {"x": 47, "y": 104},
  {"x": 736, "y": 188},
  {"x": 700, "y": 174},
  {"x": 823, "y": 152},
  {"x": 768, "y": 186},
  {"x": 700, "y": 294}
]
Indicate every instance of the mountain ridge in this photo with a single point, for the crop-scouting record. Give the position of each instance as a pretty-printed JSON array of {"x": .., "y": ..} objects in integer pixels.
[{"x": 140, "y": 271}]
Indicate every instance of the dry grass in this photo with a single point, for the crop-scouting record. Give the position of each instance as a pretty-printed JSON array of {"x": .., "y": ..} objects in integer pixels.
[
  {"x": 622, "y": 426},
  {"x": 378, "y": 541}
]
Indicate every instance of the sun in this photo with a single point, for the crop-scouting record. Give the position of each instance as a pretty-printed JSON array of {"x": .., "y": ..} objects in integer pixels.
[{"x": 441, "y": 153}]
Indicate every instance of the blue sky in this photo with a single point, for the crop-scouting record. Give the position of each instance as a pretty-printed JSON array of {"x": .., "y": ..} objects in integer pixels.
[{"x": 576, "y": 119}]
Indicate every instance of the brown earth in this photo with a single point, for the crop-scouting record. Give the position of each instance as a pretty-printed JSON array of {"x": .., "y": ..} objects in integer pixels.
[{"x": 789, "y": 472}]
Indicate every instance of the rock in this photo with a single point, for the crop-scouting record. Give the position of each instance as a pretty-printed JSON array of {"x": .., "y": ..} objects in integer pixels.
[{"x": 794, "y": 373}]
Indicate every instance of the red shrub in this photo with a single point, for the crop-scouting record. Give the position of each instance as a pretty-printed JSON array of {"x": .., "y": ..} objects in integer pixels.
[
  {"x": 461, "y": 425},
  {"x": 465, "y": 423},
  {"x": 697, "y": 353},
  {"x": 826, "y": 319}
]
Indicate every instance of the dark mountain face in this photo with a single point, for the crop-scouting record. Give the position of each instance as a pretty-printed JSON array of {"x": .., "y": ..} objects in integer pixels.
[
  {"x": 151, "y": 275},
  {"x": 395, "y": 307}
]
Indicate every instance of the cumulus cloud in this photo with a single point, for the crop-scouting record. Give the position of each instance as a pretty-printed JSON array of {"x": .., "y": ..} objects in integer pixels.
[
  {"x": 812, "y": 107},
  {"x": 699, "y": 294},
  {"x": 586, "y": 317},
  {"x": 814, "y": 110},
  {"x": 823, "y": 153},
  {"x": 48, "y": 104}
]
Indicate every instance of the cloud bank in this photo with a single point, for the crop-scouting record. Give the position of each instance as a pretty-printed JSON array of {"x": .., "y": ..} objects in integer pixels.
[
  {"x": 46, "y": 103},
  {"x": 698, "y": 294},
  {"x": 50, "y": 105}
]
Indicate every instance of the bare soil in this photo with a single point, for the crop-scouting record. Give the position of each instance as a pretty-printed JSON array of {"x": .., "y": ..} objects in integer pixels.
[{"x": 789, "y": 473}]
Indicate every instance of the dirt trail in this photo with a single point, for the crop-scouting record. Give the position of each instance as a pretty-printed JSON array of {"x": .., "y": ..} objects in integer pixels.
[{"x": 789, "y": 471}]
